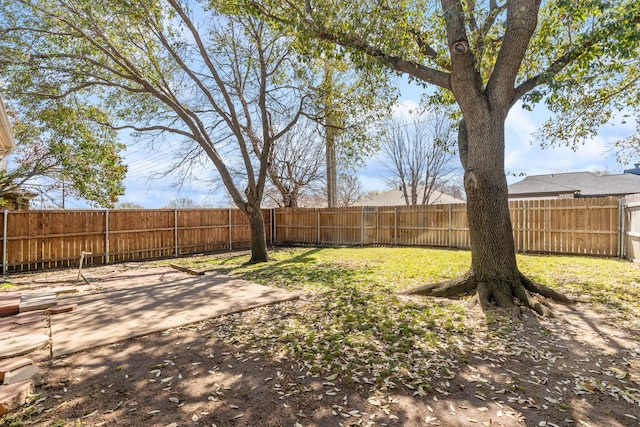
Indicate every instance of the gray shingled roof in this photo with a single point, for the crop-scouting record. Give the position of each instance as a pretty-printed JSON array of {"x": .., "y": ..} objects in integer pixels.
[
  {"x": 395, "y": 198},
  {"x": 584, "y": 184}
]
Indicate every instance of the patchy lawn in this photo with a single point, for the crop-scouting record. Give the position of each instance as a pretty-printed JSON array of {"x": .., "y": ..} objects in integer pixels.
[{"x": 352, "y": 351}]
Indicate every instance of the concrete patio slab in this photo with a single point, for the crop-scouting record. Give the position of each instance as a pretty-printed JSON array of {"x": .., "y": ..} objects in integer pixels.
[
  {"x": 12, "y": 346},
  {"x": 138, "y": 303}
]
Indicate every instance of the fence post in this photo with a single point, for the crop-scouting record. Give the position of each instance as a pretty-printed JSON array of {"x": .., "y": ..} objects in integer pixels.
[
  {"x": 271, "y": 211},
  {"x": 524, "y": 228},
  {"x": 395, "y": 226},
  {"x": 175, "y": 232},
  {"x": 362, "y": 226},
  {"x": 106, "y": 236},
  {"x": 621, "y": 221},
  {"x": 230, "y": 232},
  {"x": 318, "y": 226},
  {"x": 275, "y": 229},
  {"x": 450, "y": 225},
  {"x": 4, "y": 242},
  {"x": 377, "y": 225}
]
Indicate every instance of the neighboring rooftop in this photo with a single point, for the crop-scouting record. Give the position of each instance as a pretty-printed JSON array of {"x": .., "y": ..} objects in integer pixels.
[
  {"x": 395, "y": 198},
  {"x": 575, "y": 184}
]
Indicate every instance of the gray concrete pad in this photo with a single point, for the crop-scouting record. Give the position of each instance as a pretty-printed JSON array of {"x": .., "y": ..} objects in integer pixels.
[{"x": 137, "y": 303}]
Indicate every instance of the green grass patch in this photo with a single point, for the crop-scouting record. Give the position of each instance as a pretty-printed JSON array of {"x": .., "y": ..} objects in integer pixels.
[
  {"x": 313, "y": 269},
  {"x": 612, "y": 284},
  {"x": 6, "y": 286}
]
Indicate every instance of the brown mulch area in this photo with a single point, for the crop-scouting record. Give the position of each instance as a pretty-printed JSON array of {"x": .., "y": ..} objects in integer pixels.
[{"x": 580, "y": 369}]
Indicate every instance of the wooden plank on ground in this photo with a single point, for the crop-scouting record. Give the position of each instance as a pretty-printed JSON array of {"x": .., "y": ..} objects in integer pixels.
[
  {"x": 57, "y": 309},
  {"x": 23, "y": 344},
  {"x": 17, "y": 370},
  {"x": 37, "y": 302},
  {"x": 187, "y": 270},
  {"x": 9, "y": 307}
]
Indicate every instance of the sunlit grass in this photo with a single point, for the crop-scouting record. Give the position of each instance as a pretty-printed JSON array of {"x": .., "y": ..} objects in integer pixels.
[
  {"x": 6, "y": 286},
  {"x": 608, "y": 282},
  {"x": 611, "y": 283},
  {"x": 390, "y": 269}
]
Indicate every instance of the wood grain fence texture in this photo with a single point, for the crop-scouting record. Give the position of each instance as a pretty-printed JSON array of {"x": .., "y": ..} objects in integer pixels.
[
  {"x": 574, "y": 226},
  {"x": 50, "y": 239}
]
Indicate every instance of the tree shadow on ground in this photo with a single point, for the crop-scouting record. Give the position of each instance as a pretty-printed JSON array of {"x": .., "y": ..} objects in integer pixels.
[{"x": 522, "y": 374}]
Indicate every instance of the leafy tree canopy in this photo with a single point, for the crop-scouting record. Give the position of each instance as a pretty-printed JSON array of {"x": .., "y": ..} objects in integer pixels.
[
  {"x": 225, "y": 87},
  {"x": 62, "y": 142},
  {"x": 583, "y": 59}
]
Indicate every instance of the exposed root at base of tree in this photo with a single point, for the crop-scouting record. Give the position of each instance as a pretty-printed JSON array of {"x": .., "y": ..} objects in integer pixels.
[{"x": 524, "y": 292}]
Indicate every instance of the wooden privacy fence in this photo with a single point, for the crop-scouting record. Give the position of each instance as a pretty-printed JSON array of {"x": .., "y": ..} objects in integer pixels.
[
  {"x": 48, "y": 239},
  {"x": 574, "y": 226}
]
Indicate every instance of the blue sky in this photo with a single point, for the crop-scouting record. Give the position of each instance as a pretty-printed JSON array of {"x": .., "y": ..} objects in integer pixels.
[{"x": 523, "y": 157}]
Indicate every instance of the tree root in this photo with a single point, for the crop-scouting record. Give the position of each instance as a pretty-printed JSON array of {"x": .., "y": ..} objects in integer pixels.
[
  {"x": 449, "y": 288},
  {"x": 524, "y": 292},
  {"x": 543, "y": 290}
]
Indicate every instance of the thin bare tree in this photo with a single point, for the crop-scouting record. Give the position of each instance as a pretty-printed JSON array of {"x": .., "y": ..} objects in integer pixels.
[
  {"x": 296, "y": 166},
  {"x": 419, "y": 155},
  {"x": 349, "y": 189}
]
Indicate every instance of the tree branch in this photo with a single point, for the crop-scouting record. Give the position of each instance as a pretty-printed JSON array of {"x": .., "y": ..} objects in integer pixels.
[
  {"x": 151, "y": 129},
  {"x": 466, "y": 82},
  {"x": 308, "y": 25},
  {"x": 522, "y": 19},
  {"x": 426, "y": 48},
  {"x": 567, "y": 58},
  {"x": 427, "y": 74}
]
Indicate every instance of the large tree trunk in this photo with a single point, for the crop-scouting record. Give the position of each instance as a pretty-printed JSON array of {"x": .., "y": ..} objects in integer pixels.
[
  {"x": 332, "y": 173},
  {"x": 493, "y": 251},
  {"x": 258, "y": 238},
  {"x": 331, "y": 130}
]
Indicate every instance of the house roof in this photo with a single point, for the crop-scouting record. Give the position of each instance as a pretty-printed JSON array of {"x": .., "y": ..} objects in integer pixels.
[
  {"x": 395, "y": 198},
  {"x": 582, "y": 184},
  {"x": 7, "y": 144}
]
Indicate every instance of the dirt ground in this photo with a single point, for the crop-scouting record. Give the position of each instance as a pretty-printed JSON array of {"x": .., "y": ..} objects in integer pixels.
[{"x": 581, "y": 368}]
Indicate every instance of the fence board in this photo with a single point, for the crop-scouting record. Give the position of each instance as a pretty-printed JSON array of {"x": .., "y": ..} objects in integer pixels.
[
  {"x": 631, "y": 227},
  {"x": 203, "y": 231}
]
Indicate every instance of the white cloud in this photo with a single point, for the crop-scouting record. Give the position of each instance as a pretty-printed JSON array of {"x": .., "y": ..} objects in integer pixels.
[
  {"x": 521, "y": 124},
  {"x": 405, "y": 108},
  {"x": 525, "y": 156}
]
